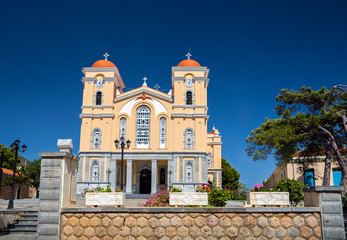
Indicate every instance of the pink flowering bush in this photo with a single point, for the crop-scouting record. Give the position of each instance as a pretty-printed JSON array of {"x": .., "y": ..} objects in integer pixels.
[
  {"x": 258, "y": 188},
  {"x": 159, "y": 199}
]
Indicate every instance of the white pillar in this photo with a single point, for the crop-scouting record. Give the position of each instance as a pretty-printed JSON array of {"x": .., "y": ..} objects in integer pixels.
[
  {"x": 129, "y": 182},
  {"x": 154, "y": 176}
]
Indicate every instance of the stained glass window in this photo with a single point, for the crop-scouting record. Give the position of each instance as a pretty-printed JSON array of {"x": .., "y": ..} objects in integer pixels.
[
  {"x": 162, "y": 132},
  {"x": 142, "y": 127}
]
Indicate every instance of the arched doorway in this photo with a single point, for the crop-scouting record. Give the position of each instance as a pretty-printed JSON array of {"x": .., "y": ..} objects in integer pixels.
[{"x": 145, "y": 181}]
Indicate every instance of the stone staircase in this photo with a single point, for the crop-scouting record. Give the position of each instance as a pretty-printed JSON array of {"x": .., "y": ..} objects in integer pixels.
[{"x": 26, "y": 225}]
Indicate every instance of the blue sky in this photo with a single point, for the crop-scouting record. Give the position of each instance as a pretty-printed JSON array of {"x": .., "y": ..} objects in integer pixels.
[{"x": 252, "y": 48}]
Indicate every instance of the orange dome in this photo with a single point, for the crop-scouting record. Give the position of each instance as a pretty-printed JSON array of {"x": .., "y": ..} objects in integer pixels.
[
  {"x": 103, "y": 64},
  {"x": 188, "y": 63}
]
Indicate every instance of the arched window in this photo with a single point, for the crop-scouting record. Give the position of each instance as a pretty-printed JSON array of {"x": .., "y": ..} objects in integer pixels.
[
  {"x": 122, "y": 127},
  {"x": 189, "y": 172},
  {"x": 98, "y": 98},
  {"x": 189, "y": 138},
  {"x": 162, "y": 132},
  {"x": 189, "y": 98},
  {"x": 162, "y": 176},
  {"x": 95, "y": 171},
  {"x": 96, "y": 138},
  {"x": 142, "y": 127}
]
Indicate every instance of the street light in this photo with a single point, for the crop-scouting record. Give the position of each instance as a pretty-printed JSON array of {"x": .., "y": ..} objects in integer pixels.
[
  {"x": 14, "y": 147},
  {"x": 122, "y": 144}
]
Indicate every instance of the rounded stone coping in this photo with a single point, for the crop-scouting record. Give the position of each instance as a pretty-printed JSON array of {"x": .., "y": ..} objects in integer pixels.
[{"x": 193, "y": 210}]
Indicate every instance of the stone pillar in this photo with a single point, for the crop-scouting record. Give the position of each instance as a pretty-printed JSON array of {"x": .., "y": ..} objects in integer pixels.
[
  {"x": 328, "y": 198},
  {"x": 129, "y": 182},
  {"x": 58, "y": 184},
  {"x": 196, "y": 169},
  {"x": 154, "y": 176},
  {"x": 170, "y": 169}
]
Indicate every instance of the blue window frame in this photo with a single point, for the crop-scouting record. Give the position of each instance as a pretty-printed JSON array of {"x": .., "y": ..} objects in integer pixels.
[
  {"x": 309, "y": 177},
  {"x": 337, "y": 175}
]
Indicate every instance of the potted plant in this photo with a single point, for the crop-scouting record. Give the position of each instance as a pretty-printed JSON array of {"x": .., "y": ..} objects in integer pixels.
[
  {"x": 200, "y": 197},
  {"x": 103, "y": 197}
]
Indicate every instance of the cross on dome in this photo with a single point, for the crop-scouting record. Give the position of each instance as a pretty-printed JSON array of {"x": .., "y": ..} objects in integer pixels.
[
  {"x": 188, "y": 54},
  {"x": 144, "y": 81},
  {"x": 106, "y": 55}
]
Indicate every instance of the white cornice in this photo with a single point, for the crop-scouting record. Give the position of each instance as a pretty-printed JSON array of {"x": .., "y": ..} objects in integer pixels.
[
  {"x": 103, "y": 115},
  {"x": 136, "y": 93},
  {"x": 97, "y": 106}
]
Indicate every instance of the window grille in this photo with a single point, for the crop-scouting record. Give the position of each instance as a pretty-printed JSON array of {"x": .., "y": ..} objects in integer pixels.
[
  {"x": 189, "y": 139},
  {"x": 122, "y": 127},
  {"x": 96, "y": 138},
  {"x": 142, "y": 127},
  {"x": 95, "y": 171},
  {"x": 189, "y": 172},
  {"x": 162, "y": 132}
]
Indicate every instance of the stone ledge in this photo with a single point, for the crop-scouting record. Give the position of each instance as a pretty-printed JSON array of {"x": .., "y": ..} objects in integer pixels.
[
  {"x": 330, "y": 189},
  {"x": 55, "y": 154},
  {"x": 193, "y": 210}
]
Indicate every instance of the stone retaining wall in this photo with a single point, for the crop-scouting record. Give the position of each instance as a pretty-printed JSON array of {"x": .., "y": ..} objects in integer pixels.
[{"x": 190, "y": 223}]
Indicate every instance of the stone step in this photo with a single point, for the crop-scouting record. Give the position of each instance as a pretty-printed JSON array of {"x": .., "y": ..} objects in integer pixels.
[
  {"x": 29, "y": 216},
  {"x": 26, "y": 221},
  {"x": 22, "y": 231},
  {"x": 137, "y": 196},
  {"x": 25, "y": 226},
  {"x": 15, "y": 236}
]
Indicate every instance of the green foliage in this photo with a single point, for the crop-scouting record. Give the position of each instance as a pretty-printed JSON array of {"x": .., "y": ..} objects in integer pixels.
[
  {"x": 34, "y": 171},
  {"x": 295, "y": 189},
  {"x": 344, "y": 200},
  {"x": 230, "y": 177},
  {"x": 217, "y": 198},
  {"x": 9, "y": 157},
  {"x": 98, "y": 189},
  {"x": 175, "y": 189},
  {"x": 241, "y": 193}
]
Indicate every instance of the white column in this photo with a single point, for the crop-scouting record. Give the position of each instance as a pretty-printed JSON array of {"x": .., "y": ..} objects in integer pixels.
[
  {"x": 129, "y": 183},
  {"x": 154, "y": 176}
]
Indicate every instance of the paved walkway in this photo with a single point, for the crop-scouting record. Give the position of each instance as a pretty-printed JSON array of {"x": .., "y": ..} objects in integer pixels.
[
  {"x": 19, "y": 204},
  {"x": 32, "y": 204}
]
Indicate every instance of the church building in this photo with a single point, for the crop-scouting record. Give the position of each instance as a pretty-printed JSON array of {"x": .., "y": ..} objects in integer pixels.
[{"x": 165, "y": 134}]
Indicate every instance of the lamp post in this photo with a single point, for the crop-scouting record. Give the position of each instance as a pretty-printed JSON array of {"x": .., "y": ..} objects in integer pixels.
[
  {"x": 122, "y": 144},
  {"x": 14, "y": 147},
  {"x": 108, "y": 177},
  {"x": 1, "y": 162}
]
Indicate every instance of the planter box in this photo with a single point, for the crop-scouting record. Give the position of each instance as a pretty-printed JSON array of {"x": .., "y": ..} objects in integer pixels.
[
  {"x": 104, "y": 199},
  {"x": 268, "y": 198},
  {"x": 188, "y": 198}
]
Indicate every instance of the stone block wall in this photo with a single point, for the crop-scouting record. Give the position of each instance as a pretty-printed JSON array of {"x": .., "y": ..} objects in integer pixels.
[{"x": 190, "y": 225}]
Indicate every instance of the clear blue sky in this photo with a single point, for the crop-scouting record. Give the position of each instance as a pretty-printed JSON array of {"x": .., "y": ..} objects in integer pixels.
[{"x": 252, "y": 48}]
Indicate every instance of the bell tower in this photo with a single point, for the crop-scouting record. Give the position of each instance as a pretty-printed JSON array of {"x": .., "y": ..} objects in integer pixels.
[{"x": 189, "y": 82}]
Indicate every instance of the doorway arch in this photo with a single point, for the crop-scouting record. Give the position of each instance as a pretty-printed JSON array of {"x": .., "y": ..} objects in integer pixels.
[{"x": 145, "y": 181}]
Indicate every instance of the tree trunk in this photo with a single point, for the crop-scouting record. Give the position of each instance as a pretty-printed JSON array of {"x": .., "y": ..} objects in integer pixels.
[
  {"x": 331, "y": 141},
  {"x": 327, "y": 166},
  {"x": 37, "y": 193}
]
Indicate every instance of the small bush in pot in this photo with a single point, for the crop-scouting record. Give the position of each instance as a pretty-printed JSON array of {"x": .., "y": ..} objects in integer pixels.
[{"x": 295, "y": 189}]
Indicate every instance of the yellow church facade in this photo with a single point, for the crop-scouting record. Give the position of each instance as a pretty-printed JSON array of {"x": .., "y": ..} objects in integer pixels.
[{"x": 170, "y": 144}]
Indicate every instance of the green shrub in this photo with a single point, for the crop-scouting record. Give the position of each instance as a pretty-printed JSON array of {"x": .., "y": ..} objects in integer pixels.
[
  {"x": 175, "y": 189},
  {"x": 295, "y": 189}
]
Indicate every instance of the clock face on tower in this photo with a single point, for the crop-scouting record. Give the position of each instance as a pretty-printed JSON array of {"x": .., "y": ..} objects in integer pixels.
[
  {"x": 99, "y": 83},
  {"x": 189, "y": 82}
]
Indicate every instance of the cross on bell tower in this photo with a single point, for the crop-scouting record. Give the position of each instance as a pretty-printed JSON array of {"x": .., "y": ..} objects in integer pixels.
[
  {"x": 106, "y": 55},
  {"x": 156, "y": 86},
  {"x": 144, "y": 81}
]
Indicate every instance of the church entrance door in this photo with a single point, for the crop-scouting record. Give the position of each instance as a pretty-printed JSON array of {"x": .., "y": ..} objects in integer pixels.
[{"x": 145, "y": 181}]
